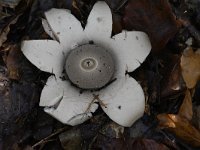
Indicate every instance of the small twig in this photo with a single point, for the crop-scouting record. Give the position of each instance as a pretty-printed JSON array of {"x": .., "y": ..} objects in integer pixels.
[
  {"x": 43, "y": 144},
  {"x": 48, "y": 137}
]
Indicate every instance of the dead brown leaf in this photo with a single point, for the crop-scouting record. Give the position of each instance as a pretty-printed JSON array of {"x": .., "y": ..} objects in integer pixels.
[
  {"x": 172, "y": 83},
  {"x": 190, "y": 64},
  {"x": 196, "y": 117},
  {"x": 180, "y": 124},
  {"x": 4, "y": 32},
  {"x": 13, "y": 62},
  {"x": 153, "y": 17},
  {"x": 117, "y": 26},
  {"x": 185, "y": 110},
  {"x": 148, "y": 144},
  {"x": 181, "y": 128},
  {"x": 71, "y": 139},
  {"x": 103, "y": 143}
]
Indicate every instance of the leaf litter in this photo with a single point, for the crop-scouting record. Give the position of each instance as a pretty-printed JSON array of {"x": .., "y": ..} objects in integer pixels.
[
  {"x": 25, "y": 126},
  {"x": 190, "y": 64},
  {"x": 180, "y": 124}
]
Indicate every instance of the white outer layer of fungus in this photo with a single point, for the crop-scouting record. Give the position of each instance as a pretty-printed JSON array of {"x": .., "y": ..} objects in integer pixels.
[{"x": 123, "y": 100}]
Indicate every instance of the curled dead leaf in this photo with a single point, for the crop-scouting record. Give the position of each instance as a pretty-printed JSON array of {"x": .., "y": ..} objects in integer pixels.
[
  {"x": 181, "y": 128},
  {"x": 190, "y": 64},
  {"x": 180, "y": 124}
]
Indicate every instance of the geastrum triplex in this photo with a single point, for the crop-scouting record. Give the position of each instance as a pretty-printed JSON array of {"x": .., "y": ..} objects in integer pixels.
[{"x": 94, "y": 65}]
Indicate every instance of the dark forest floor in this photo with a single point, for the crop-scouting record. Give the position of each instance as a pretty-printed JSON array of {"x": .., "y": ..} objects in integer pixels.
[{"x": 171, "y": 119}]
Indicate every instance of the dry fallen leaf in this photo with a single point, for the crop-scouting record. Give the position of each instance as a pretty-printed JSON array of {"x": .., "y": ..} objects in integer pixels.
[
  {"x": 181, "y": 128},
  {"x": 13, "y": 63},
  {"x": 71, "y": 139},
  {"x": 185, "y": 110},
  {"x": 180, "y": 124},
  {"x": 4, "y": 32},
  {"x": 104, "y": 143},
  {"x": 172, "y": 83},
  {"x": 196, "y": 116},
  {"x": 190, "y": 64},
  {"x": 153, "y": 17}
]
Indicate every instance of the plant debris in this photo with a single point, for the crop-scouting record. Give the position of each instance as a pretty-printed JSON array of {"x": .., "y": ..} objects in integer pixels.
[
  {"x": 154, "y": 17},
  {"x": 169, "y": 77},
  {"x": 190, "y": 64},
  {"x": 180, "y": 123}
]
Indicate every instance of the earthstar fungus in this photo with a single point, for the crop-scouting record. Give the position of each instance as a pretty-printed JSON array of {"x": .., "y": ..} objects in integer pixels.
[{"x": 97, "y": 69}]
